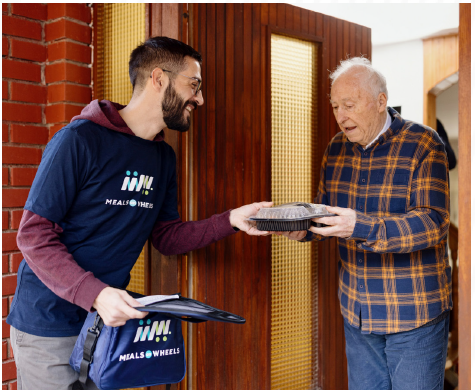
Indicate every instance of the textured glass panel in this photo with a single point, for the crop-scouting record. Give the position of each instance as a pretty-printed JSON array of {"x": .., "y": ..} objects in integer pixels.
[
  {"x": 293, "y": 310},
  {"x": 122, "y": 29}
]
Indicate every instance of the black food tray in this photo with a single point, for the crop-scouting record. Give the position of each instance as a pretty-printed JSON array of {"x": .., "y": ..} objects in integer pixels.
[{"x": 286, "y": 225}]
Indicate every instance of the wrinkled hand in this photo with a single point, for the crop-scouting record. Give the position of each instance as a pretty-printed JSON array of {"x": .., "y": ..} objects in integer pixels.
[
  {"x": 296, "y": 235},
  {"x": 116, "y": 307},
  {"x": 340, "y": 226},
  {"x": 239, "y": 216}
]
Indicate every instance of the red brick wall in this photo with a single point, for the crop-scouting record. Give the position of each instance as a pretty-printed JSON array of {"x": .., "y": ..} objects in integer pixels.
[{"x": 46, "y": 80}]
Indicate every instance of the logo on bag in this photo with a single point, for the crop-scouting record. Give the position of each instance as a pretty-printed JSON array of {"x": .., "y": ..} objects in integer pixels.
[
  {"x": 148, "y": 332},
  {"x": 143, "y": 183}
]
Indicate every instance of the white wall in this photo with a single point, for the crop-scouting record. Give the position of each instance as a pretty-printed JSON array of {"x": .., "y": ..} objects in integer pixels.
[
  {"x": 447, "y": 109},
  {"x": 403, "y": 66}
]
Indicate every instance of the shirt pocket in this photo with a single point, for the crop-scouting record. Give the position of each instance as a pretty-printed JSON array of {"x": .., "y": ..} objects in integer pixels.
[{"x": 389, "y": 193}]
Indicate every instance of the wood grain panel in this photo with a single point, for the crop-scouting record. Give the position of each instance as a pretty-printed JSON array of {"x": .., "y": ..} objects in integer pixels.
[
  {"x": 441, "y": 60},
  {"x": 465, "y": 197},
  {"x": 167, "y": 274}
]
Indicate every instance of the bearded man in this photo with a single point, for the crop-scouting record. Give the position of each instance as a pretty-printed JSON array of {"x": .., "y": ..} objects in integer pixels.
[
  {"x": 106, "y": 183},
  {"x": 386, "y": 179}
]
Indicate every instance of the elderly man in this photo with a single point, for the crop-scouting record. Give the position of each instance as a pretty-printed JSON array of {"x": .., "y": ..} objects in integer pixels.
[{"x": 386, "y": 178}]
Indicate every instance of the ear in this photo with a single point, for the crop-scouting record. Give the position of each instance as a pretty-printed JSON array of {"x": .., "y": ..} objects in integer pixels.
[
  {"x": 382, "y": 102},
  {"x": 159, "y": 79}
]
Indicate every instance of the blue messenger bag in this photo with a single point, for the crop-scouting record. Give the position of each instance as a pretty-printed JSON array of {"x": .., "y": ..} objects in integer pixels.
[{"x": 143, "y": 352}]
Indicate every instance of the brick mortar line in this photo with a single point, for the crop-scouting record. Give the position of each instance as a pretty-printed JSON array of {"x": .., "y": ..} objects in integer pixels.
[
  {"x": 22, "y": 60},
  {"x": 24, "y": 103},
  {"x": 20, "y": 81},
  {"x": 56, "y": 40},
  {"x": 18, "y": 166},
  {"x": 69, "y": 18},
  {"x": 68, "y": 40},
  {"x": 22, "y": 17},
  {"x": 24, "y": 39},
  {"x": 48, "y": 104},
  {"x": 68, "y": 82},
  {"x": 68, "y": 102},
  {"x": 21, "y": 145},
  {"x": 68, "y": 61},
  {"x": 10, "y": 100},
  {"x": 16, "y": 188}
]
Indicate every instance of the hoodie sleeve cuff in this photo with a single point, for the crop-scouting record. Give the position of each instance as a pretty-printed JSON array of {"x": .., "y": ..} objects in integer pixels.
[
  {"x": 222, "y": 225},
  {"x": 87, "y": 291}
]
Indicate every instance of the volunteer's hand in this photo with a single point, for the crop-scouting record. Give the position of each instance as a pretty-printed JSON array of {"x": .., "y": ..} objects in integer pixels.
[
  {"x": 340, "y": 226},
  {"x": 116, "y": 307},
  {"x": 238, "y": 218},
  {"x": 296, "y": 235}
]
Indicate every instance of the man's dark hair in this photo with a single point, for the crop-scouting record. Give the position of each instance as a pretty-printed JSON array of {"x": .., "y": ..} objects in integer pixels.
[{"x": 158, "y": 52}]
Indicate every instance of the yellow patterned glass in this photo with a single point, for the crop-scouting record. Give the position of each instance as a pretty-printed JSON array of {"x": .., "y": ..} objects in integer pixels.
[
  {"x": 124, "y": 30},
  {"x": 121, "y": 29},
  {"x": 294, "y": 116}
]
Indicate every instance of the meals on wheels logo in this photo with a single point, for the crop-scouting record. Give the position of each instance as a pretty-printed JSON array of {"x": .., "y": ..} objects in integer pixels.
[
  {"x": 144, "y": 183},
  {"x": 136, "y": 183},
  {"x": 157, "y": 328},
  {"x": 151, "y": 333}
]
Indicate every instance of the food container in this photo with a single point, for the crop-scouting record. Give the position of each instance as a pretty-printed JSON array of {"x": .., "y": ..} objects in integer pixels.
[{"x": 290, "y": 216}]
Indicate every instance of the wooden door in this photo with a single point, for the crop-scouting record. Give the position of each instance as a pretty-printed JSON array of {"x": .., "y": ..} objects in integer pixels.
[{"x": 230, "y": 166}]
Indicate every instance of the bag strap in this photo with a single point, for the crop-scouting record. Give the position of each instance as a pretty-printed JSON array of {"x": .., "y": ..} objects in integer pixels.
[{"x": 89, "y": 346}]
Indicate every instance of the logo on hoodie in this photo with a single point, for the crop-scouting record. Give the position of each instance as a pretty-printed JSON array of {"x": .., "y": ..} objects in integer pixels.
[{"x": 135, "y": 183}]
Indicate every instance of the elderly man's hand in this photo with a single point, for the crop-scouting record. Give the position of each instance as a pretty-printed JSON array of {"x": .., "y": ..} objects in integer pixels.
[{"x": 340, "y": 226}]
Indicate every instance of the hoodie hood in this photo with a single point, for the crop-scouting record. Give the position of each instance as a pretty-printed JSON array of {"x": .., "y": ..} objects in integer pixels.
[{"x": 106, "y": 113}]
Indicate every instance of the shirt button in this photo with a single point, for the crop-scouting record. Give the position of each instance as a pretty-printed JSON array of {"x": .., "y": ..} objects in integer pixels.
[
  {"x": 361, "y": 286},
  {"x": 361, "y": 207},
  {"x": 363, "y": 180},
  {"x": 365, "y": 153},
  {"x": 361, "y": 260}
]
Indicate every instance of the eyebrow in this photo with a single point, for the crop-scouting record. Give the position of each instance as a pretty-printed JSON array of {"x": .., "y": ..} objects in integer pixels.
[{"x": 344, "y": 100}]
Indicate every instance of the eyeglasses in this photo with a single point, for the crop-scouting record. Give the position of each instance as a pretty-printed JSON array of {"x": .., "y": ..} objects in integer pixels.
[{"x": 200, "y": 82}]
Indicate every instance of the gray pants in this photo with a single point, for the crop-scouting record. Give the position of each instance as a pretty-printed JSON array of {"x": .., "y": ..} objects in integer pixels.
[{"x": 43, "y": 362}]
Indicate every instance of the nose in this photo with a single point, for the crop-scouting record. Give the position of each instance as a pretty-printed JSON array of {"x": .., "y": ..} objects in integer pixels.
[
  {"x": 340, "y": 116},
  {"x": 199, "y": 98}
]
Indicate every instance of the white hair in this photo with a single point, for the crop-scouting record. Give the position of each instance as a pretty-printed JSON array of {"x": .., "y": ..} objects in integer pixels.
[{"x": 375, "y": 79}]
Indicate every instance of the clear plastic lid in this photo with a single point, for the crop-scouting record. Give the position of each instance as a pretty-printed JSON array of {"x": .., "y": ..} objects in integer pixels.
[{"x": 293, "y": 211}]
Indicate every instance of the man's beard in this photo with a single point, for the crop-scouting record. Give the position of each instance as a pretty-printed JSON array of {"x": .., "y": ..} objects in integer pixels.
[{"x": 173, "y": 108}]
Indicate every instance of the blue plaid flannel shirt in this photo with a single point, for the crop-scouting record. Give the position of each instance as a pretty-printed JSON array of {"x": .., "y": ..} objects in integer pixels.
[{"x": 394, "y": 271}]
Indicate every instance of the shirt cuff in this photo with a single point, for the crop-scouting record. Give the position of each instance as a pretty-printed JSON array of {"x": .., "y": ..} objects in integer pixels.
[
  {"x": 363, "y": 226},
  {"x": 308, "y": 237},
  {"x": 87, "y": 292},
  {"x": 222, "y": 225}
]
